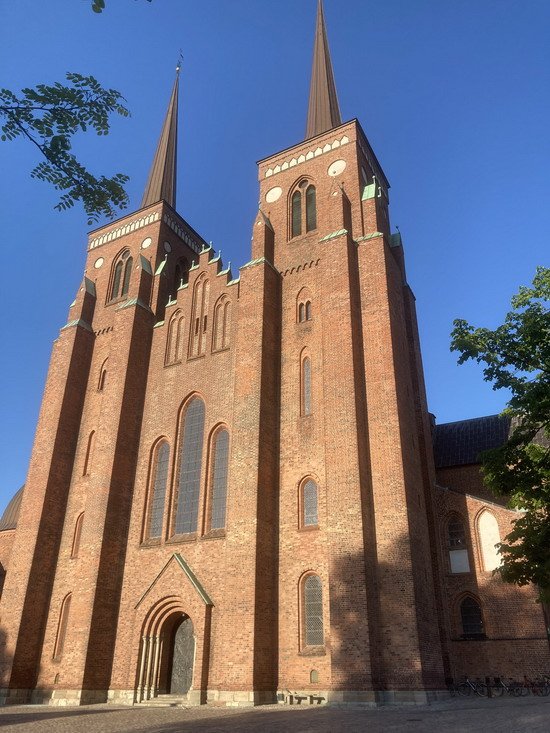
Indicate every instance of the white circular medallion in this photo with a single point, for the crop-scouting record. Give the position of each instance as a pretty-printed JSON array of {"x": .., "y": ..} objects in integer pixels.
[
  {"x": 98, "y": 263},
  {"x": 167, "y": 247},
  {"x": 273, "y": 194},
  {"x": 146, "y": 243},
  {"x": 336, "y": 168}
]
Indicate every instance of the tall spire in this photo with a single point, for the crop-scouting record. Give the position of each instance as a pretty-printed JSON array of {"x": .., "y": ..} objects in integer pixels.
[
  {"x": 161, "y": 183},
  {"x": 323, "y": 111}
]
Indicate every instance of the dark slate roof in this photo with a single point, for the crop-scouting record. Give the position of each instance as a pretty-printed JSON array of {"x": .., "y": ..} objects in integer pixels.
[
  {"x": 11, "y": 513},
  {"x": 460, "y": 443}
]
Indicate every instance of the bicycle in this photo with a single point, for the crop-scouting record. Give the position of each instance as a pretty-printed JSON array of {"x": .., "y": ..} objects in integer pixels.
[
  {"x": 500, "y": 687},
  {"x": 478, "y": 687},
  {"x": 540, "y": 686}
]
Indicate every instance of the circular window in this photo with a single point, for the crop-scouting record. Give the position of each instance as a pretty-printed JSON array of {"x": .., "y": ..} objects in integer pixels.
[
  {"x": 146, "y": 243},
  {"x": 167, "y": 247},
  {"x": 273, "y": 194},
  {"x": 98, "y": 263},
  {"x": 336, "y": 168}
]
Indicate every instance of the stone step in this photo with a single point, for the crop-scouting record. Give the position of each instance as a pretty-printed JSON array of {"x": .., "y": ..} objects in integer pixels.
[{"x": 165, "y": 701}]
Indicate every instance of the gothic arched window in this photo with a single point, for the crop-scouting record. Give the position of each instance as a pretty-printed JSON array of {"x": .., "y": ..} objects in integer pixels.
[
  {"x": 189, "y": 483},
  {"x": 199, "y": 319},
  {"x": 306, "y": 386},
  {"x": 222, "y": 324},
  {"x": 121, "y": 276},
  {"x": 218, "y": 487},
  {"x": 62, "y": 627},
  {"x": 456, "y": 544},
  {"x": 296, "y": 213},
  {"x": 159, "y": 480},
  {"x": 312, "y": 591},
  {"x": 127, "y": 275},
  {"x": 303, "y": 302},
  {"x": 471, "y": 618},
  {"x": 303, "y": 209},
  {"x": 311, "y": 209},
  {"x": 309, "y": 504},
  {"x": 174, "y": 342}
]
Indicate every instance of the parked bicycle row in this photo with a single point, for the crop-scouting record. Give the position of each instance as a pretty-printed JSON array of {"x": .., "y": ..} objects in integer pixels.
[{"x": 499, "y": 686}]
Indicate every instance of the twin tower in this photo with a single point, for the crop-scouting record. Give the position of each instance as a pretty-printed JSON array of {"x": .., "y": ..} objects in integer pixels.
[{"x": 230, "y": 493}]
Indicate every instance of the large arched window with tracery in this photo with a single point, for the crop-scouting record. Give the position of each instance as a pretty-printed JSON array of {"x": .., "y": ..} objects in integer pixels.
[
  {"x": 303, "y": 209},
  {"x": 218, "y": 479},
  {"x": 159, "y": 481},
  {"x": 190, "y": 466},
  {"x": 121, "y": 275},
  {"x": 312, "y": 603}
]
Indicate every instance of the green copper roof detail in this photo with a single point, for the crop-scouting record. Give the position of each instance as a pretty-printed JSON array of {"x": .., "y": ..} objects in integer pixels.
[
  {"x": 161, "y": 267},
  {"x": 145, "y": 264},
  {"x": 78, "y": 322},
  {"x": 333, "y": 235},
  {"x": 133, "y": 301},
  {"x": 395, "y": 240},
  {"x": 369, "y": 192},
  {"x": 89, "y": 286},
  {"x": 372, "y": 235}
]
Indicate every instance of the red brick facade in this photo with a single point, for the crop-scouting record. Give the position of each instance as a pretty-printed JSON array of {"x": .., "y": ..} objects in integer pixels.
[{"x": 124, "y": 375}]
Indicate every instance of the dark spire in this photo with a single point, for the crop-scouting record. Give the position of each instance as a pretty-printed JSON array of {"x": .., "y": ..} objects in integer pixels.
[
  {"x": 323, "y": 111},
  {"x": 161, "y": 183}
]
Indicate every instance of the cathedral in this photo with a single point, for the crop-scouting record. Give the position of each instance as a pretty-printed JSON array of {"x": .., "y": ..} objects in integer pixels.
[{"x": 236, "y": 494}]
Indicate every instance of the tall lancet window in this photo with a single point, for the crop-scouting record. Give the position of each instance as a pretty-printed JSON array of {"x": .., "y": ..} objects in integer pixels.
[
  {"x": 313, "y": 633},
  {"x": 189, "y": 485},
  {"x": 199, "y": 318},
  {"x": 311, "y": 209},
  {"x": 306, "y": 386},
  {"x": 296, "y": 213},
  {"x": 222, "y": 324},
  {"x": 218, "y": 491},
  {"x": 309, "y": 504},
  {"x": 158, "y": 495}
]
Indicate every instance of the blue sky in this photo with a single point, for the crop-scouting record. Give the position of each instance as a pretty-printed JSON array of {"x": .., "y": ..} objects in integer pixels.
[{"x": 453, "y": 96}]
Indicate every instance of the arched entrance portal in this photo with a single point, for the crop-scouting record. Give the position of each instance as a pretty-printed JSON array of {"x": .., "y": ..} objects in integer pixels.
[
  {"x": 167, "y": 657},
  {"x": 180, "y": 666}
]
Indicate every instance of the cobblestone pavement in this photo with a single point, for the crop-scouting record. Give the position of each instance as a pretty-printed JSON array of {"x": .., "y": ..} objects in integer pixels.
[{"x": 457, "y": 715}]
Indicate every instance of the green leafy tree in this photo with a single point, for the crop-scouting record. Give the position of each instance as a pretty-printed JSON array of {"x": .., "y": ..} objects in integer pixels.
[
  {"x": 516, "y": 356},
  {"x": 49, "y": 116}
]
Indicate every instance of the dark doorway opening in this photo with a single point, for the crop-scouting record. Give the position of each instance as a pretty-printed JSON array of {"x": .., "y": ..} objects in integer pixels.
[{"x": 177, "y": 656}]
